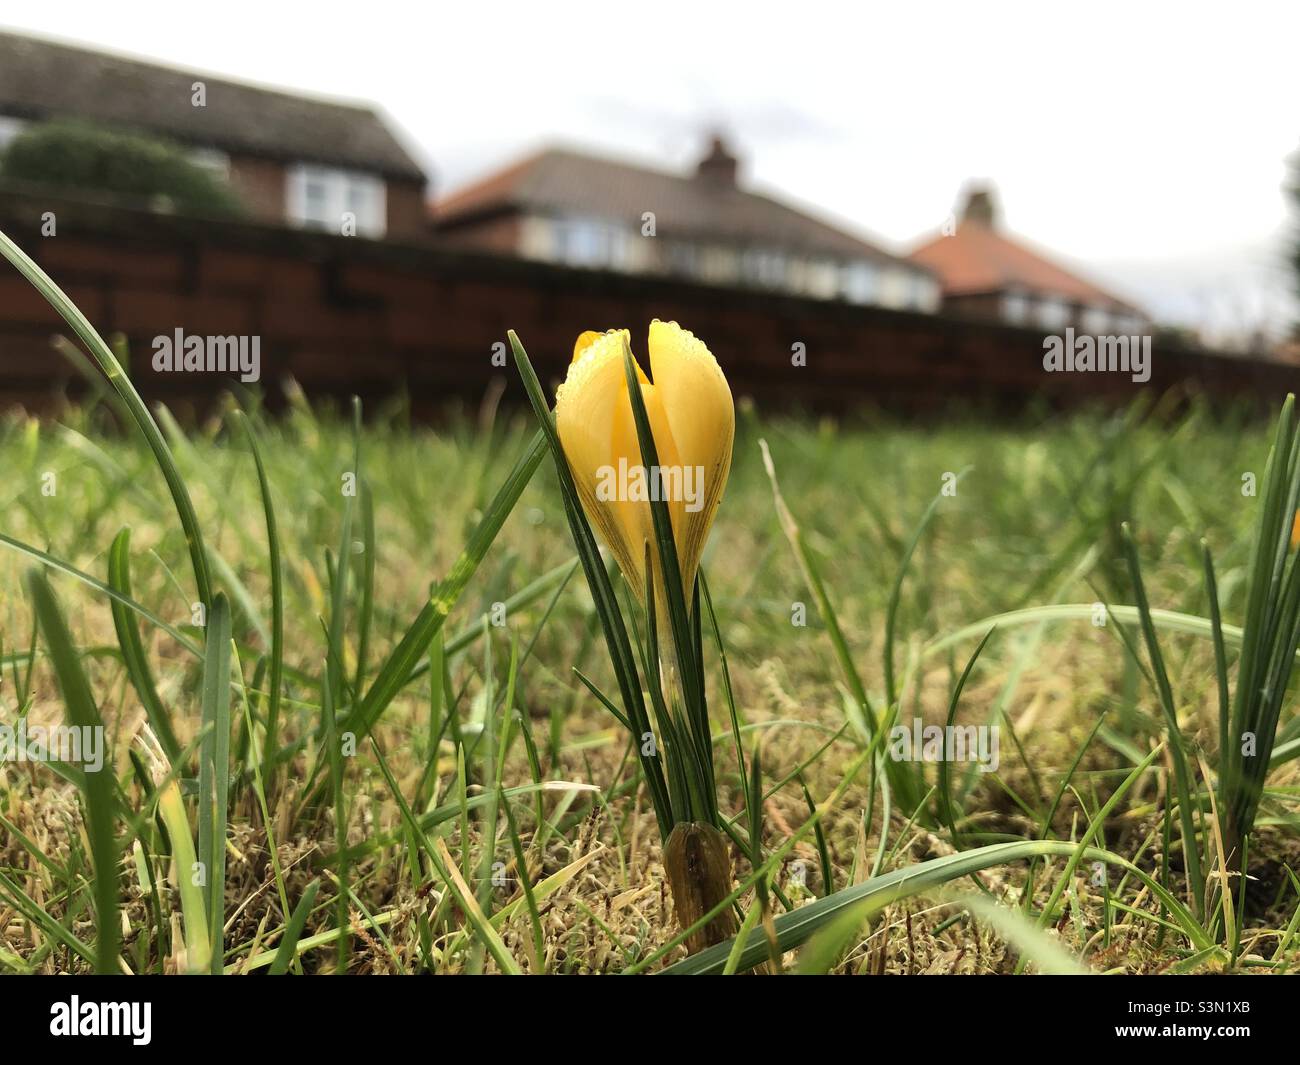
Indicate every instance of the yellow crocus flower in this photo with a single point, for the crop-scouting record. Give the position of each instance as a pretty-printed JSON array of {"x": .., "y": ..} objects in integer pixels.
[{"x": 693, "y": 421}]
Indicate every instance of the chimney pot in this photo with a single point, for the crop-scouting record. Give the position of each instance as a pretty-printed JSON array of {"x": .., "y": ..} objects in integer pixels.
[
  {"x": 980, "y": 207},
  {"x": 719, "y": 165}
]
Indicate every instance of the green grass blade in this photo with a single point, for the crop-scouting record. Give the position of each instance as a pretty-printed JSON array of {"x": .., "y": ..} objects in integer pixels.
[
  {"x": 117, "y": 376},
  {"x": 896, "y": 595},
  {"x": 1032, "y": 943},
  {"x": 797, "y": 927},
  {"x": 397, "y": 669},
  {"x": 1163, "y": 620},
  {"x": 287, "y": 949},
  {"x": 13, "y": 895},
  {"x": 194, "y": 915},
  {"x": 99, "y": 793},
  {"x": 366, "y": 610},
  {"x": 1192, "y": 843},
  {"x": 133, "y": 653},
  {"x": 214, "y": 771},
  {"x": 275, "y": 680},
  {"x": 679, "y": 623},
  {"x": 945, "y": 791},
  {"x": 449, "y": 875},
  {"x": 106, "y": 589},
  {"x": 807, "y": 565},
  {"x": 1220, "y": 668}
]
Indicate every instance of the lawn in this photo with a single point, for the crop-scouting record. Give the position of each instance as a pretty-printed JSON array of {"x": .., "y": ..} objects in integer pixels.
[
  {"x": 403, "y": 855},
  {"x": 333, "y": 692}
]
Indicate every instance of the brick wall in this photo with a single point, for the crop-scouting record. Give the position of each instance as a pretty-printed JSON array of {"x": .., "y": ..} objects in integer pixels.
[
  {"x": 499, "y": 233},
  {"x": 259, "y": 184},
  {"x": 345, "y": 315},
  {"x": 408, "y": 213}
]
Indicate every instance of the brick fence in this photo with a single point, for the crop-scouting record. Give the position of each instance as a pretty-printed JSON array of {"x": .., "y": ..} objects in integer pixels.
[{"x": 345, "y": 315}]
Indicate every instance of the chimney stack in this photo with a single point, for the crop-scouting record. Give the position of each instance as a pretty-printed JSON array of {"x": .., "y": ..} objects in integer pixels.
[
  {"x": 719, "y": 165},
  {"x": 980, "y": 207}
]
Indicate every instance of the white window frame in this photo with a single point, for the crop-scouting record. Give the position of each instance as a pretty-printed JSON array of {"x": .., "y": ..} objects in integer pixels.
[
  {"x": 925, "y": 292},
  {"x": 1053, "y": 312},
  {"x": 1096, "y": 321},
  {"x": 895, "y": 288},
  {"x": 765, "y": 268},
  {"x": 1016, "y": 307},
  {"x": 682, "y": 259},
  {"x": 340, "y": 191},
  {"x": 719, "y": 264},
  {"x": 589, "y": 242},
  {"x": 821, "y": 279},
  {"x": 860, "y": 281}
]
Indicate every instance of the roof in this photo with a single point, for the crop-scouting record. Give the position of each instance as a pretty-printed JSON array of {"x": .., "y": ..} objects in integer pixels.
[
  {"x": 978, "y": 258},
  {"x": 560, "y": 180},
  {"x": 42, "y": 79}
]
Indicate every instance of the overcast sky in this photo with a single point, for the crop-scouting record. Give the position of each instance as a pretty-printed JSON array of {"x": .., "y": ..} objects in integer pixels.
[{"x": 1144, "y": 142}]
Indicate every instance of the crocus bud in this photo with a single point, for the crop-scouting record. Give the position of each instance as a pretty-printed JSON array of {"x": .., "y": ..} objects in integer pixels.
[{"x": 693, "y": 421}]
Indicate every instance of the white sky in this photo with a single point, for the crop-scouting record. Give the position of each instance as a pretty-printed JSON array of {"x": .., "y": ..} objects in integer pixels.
[{"x": 1144, "y": 142}]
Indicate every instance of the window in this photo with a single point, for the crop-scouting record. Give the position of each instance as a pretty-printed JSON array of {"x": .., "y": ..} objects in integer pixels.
[
  {"x": 1015, "y": 307},
  {"x": 683, "y": 259},
  {"x": 587, "y": 242},
  {"x": 323, "y": 197},
  {"x": 821, "y": 279},
  {"x": 858, "y": 282},
  {"x": 764, "y": 267},
  {"x": 1095, "y": 320},
  {"x": 1053, "y": 313},
  {"x": 895, "y": 288},
  {"x": 925, "y": 293},
  {"x": 582, "y": 244},
  {"x": 719, "y": 264}
]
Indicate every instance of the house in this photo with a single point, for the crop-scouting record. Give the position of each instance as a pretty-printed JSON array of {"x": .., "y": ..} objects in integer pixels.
[
  {"x": 569, "y": 207},
  {"x": 289, "y": 158},
  {"x": 988, "y": 273}
]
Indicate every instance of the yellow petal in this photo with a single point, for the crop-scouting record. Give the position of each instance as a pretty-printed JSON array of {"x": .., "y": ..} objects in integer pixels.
[
  {"x": 702, "y": 424},
  {"x": 584, "y": 341},
  {"x": 636, "y": 517},
  {"x": 594, "y": 419},
  {"x": 590, "y": 419}
]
